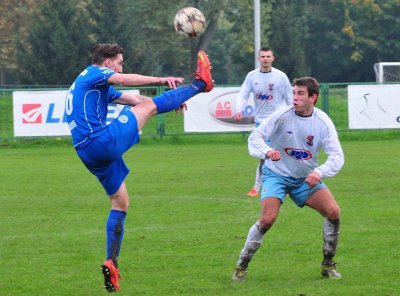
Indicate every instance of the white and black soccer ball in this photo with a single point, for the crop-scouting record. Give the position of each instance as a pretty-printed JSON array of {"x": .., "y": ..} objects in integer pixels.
[{"x": 190, "y": 22}]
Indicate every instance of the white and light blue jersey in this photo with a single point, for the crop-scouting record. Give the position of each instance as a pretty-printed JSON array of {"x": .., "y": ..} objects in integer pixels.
[
  {"x": 86, "y": 104},
  {"x": 271, "y": 91},
  {"x": 299, "y": 140}
]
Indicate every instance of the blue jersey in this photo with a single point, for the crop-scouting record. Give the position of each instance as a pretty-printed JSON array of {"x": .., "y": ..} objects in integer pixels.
[{"x": 86, "y": 104}]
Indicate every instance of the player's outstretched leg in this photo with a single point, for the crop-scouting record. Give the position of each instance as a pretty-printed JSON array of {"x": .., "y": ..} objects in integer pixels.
[
  {"x": 173, "y": 99},
  {"x": 111, "y": 276}
]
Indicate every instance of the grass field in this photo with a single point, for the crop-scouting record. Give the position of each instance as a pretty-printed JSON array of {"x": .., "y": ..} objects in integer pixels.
[{"x": 187, "y": 223}]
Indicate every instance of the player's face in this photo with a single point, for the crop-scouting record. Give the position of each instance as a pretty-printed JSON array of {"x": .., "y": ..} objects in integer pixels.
[
  {"x": 115, "y": 63},
  {"x": 266, "y": 58},
  {"x": 303, "y": 103}
]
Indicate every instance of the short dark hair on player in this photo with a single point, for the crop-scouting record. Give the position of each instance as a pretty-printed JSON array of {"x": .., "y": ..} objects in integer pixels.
[
  {"x": 311, "y": 84},
  {"x": 265, "y": 48},
  {"x": 103, "y": 51}
]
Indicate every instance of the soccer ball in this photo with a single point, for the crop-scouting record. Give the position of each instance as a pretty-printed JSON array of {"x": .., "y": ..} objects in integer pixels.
[{"x": 190, "y": 22}]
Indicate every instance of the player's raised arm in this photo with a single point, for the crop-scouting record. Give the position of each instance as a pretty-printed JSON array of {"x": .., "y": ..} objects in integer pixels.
[{"x": 138, "y": 80}]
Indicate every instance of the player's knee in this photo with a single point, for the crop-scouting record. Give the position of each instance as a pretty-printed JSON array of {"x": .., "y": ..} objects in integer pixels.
[
  {"x": 120, "y": 202},
  {"x": 333, "y": 212},
  {"x": 151, "y": 107},
  {"x": 146, "y": 107},
  {"x": 266, "y": 222},
  {"x": 120, "y": 206},
  {"x": 125, "y": 206}
]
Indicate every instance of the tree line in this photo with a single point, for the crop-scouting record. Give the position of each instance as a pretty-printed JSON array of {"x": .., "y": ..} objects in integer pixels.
[{"x": 48, "y": 42}]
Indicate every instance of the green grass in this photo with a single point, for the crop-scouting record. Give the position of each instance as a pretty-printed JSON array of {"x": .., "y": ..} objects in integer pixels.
[{"x": 188, "y": 221}]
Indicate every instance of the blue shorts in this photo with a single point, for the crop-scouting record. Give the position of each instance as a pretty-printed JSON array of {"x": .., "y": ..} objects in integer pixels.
[
  {"x": 103, "y": 155},
  {"x": 275, "y": 185}
]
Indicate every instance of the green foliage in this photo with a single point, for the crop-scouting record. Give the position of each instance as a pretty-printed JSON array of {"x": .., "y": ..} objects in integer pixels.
[
  {"x": 363, "y": 18},
  {"x": 144, "y": 29},
  {"x": 388, "y": 50},
  {"x": 327, "y": 41},
  {"x": 187, "y": 223},
  {"x": 290, "y": 18},
  {"x": 332, "y": 40},
  {"x": 232, "y": 49},
  {"x": 58, "y": 45}
]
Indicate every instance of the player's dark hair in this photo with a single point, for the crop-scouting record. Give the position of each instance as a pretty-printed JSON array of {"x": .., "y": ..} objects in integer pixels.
[
  {"x": 265, "y": 48},
  {"x": 101, "y": 52},
  {"x": 311, "y": 84}
]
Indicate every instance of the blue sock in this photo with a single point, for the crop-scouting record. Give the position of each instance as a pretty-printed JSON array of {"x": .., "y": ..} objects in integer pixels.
[
  {"x": 115, "y": 233},
  {"x": 172, "y": 99}
]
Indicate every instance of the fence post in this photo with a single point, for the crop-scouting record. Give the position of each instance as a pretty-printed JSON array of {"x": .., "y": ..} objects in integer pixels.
[
  {"x": 325, "y": 97},
  {"x": 160, "y": 117},
  {"x": 160, "y": 125}
]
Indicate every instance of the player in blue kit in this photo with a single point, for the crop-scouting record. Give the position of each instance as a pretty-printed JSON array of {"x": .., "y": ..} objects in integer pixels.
[{"x": 101, "y": 146}]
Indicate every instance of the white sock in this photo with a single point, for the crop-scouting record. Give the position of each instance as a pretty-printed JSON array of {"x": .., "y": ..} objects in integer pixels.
[
  {"x": 253, "y": 242},
  {"x": 331, "y": 238}
]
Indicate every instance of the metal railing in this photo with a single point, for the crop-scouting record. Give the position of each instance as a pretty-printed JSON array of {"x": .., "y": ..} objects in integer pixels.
[{"x": 332, "y": 100}]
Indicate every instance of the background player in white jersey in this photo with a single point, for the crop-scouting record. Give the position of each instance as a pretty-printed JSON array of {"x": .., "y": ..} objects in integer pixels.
[
  {"x": 297, "y": 134},
  {"x": 271, "y": 89},
  {"x": 101, "y": 146}
]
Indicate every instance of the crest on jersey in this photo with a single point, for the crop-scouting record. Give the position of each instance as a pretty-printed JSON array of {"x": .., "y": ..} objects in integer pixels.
[
  {"x": 271, "y": 86},
  {"x": 310, "y": 140},
  {"x": 123, "y": 118}
]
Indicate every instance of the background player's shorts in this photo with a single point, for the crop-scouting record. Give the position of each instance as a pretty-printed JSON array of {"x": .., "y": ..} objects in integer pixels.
[
  {"x": 103, "y": 156},
  {"x": 276, "y": 185}
]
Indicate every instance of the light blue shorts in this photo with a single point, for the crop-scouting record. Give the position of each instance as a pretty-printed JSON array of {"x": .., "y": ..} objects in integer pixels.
[
  {"x": 275, "y": 185},
  {"x": 103, "y": 155}
]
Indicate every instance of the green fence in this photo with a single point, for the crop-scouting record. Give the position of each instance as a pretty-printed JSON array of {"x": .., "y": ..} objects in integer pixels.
[{"x": 333, "y": 100}]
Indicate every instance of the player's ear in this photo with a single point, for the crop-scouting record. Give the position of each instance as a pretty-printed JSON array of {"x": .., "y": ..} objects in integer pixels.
[
  {"x": 314, "y": 97},
  {"x": 108, "y": 62}
]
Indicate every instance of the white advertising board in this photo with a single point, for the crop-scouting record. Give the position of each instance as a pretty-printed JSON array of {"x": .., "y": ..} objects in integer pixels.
[
  {"x": 215, "y": 111},
  {"x": 374, "y": 106},
  {"x": 41, "y": 113}
]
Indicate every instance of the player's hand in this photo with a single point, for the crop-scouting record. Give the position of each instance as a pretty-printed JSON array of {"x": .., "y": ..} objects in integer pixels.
[
  {"x": 313, "y": 179},
  {"x": 238, "y": 117},
  {"x": 172, "y": 81},
  {"x": 181, "y": 108},
  {"x": 273, "y": 155}
]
